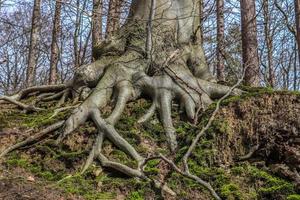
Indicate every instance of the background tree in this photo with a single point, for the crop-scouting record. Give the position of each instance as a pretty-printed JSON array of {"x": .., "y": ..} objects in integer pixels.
[
  {"x": 249, "y": 42},
  {"x": 113, "y": 17},
  {"x": 297, "y": 17},
  {"x": 34, "y": 39},
  {"x": 269, "y": 42},
  {"x": 220, "y": 39},
  {"x": 99, "y": 91},
  {"x": 96, "y": 25},
  {"x": 54, "y": 44}
]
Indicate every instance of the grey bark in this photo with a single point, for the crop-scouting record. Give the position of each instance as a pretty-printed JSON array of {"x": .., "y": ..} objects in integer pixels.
[
  {"x": 54, "y": 44},
  {"x": 179, "y": 73},
  {"x": 297, "y": 16},
  {"x": 269, "y": 42},
  {"x": 220, "y": 40},
  {"x": 34, "y": 37}
]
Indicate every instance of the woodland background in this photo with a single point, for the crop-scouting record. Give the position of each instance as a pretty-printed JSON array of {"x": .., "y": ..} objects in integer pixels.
[{"x": 67, "y": 43}]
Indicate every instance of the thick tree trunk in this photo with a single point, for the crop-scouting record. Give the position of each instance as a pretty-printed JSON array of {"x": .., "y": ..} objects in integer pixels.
[
  {"x": 54, "y": 45},
  {"x": 177, "y": 72},
  {"x": 113, "y": 18},
  {"x": 269, "y": 42},
  {"x": 34, "y": 37},
  {"x": 96, "y": 25},
  {"x": 220, "y": 40},
  {"x": 249, "y": 42}
]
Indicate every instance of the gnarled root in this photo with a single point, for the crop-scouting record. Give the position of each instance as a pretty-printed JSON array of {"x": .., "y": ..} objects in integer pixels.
[
  {"x": 128, "y": 84},
  {"x": 25, "y": 107}
]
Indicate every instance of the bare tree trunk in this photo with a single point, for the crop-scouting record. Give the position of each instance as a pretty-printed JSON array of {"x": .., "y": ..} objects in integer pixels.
[
  {"x": 54, "y": 45},
  {"x": 249, "y": 42},
  {"x": 34, "y": 37},
  {"x": 76, "y": 34},
  {"x": 201, "y": 8},
  {"x": 220, "y": 40},
  {"x": 297, "y": 16},
  {"x": 96, "y": 25},
  {"x": 295, "y": 68},
  {"x": 113, "y": 18},
  {"x": 268, "y": 39}
]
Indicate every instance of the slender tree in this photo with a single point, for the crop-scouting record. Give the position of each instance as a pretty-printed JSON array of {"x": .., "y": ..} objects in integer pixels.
[
  {"x": 297, "y": 16},
  {"x": 96, "y": 25},
  {"x": 269, "y": 42},
  {"x": 220, "y": 40},
  {"x": 201, "y": 15},
  {"x": 113, "y": 18},
  {"x": 249, "y": 42},
  {"x": 54, "y": 45},
  {"x": 34, "y": 37}
]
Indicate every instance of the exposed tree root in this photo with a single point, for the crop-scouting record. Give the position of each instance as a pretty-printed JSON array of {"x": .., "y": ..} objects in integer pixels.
[
  {"x": 33, "y": 138},
  {"x": 120, "y": 75},
  {"x": 26, "y": 108},
  {"x": 41, "y": 89},
  {"x": 250, "y": 154},
  {"x": 125, "y": 85},
  {"x": 58, "y": 110}
]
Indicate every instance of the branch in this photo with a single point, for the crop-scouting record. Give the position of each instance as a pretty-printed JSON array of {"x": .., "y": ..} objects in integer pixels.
[{"x": 286, "y": 18}]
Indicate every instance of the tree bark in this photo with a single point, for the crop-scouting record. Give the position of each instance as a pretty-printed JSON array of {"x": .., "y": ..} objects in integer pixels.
[
  {"x": 96, "y": 25},
  {"x": 297, "y": 16},
  {"x": 113, "y": 18},
  {"x": 269, "y": 43},
  {"x": 249, "y": 42},
  {"x": 220, "y": 40},
  {"x": 54, "y": 45},
  {"x": 34, "y": 37},
  {"x": 201, "y": 15}
]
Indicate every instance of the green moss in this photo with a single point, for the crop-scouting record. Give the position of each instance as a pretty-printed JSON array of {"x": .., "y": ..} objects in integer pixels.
[
  {"x": 253, "y": 92},
  {"x": 151, "y": 167},
  {"x": 16, "y": 118},
  {"x": 230, "y": 191},
  {"x": 15, "y": 160},
  {"x": 138, "y": 195},
  {"x": 294, "y": 197},
  {"x": 272, "y": 184},
  {"x": 237, "y": 170},
  {"x": 122, "y": 157},
  {"x": 80, "y": 185}
]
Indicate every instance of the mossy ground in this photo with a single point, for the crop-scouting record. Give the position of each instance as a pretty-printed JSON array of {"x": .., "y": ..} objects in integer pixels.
[{"x": 59, "y": 167}]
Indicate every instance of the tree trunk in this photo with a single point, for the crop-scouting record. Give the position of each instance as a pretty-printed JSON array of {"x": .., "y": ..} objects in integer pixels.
[
  {"x": 34, "y": 37},
  {"x": 54, "y": 45},
  {"x": 113, "y": 17},
  {"x": 201, "y": 15},
  {"x": 249, "y": 42},
  {"x": 220, "y": 40},
  {"x": 96, "y": 26},
  {"x": 269, "y": 42},
  {"x": 297, "y": 16},
  {"x": 123, "y": 73},
  {"x": 76, "y": 34}
]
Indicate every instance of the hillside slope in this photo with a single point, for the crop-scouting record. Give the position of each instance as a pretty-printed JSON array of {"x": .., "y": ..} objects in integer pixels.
[{"x": 252, "y": 151}]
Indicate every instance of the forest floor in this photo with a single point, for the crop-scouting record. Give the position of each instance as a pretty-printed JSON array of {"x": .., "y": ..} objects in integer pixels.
[{"x": 262, "y": 118}]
